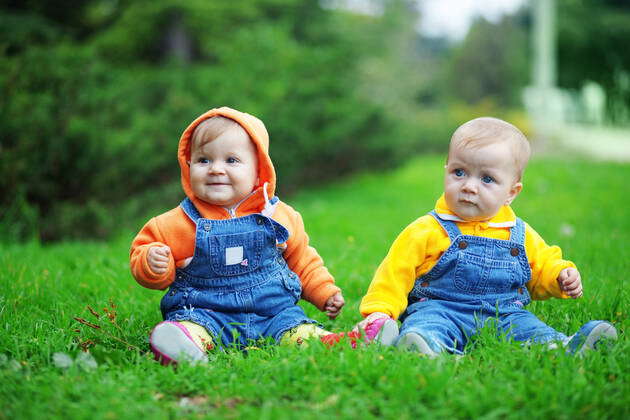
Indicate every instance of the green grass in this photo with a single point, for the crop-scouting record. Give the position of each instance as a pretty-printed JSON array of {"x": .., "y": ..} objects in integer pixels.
[{"x": 578, "y": 205}]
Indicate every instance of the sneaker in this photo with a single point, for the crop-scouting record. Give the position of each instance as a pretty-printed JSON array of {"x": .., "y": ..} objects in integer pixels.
[
  {"x": 171, "y": 343},
  {"x": 589, "y": 336},
  {"x": 382, "y": 330},
  {"x": 415, "y": 342}
]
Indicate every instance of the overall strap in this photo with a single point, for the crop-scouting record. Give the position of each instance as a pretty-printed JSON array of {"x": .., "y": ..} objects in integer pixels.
[
  {"x": 190, "y": 209},
  {"x": 517, "y": 232},
  {"x": 450, "y": 227},
  {"x": 282, "y": 234}
]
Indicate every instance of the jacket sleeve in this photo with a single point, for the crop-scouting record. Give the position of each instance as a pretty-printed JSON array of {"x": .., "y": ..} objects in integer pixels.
[
  {"x": 545, "y": 263},
  {"x": 148, "y": 237},
  {"x": 396, "y": 275},
  {"x": 317, "y": 283}
]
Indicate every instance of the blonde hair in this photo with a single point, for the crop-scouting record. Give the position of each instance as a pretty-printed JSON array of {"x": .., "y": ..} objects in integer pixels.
[
  {"x": 484, "y": 131},
  {"x": 212, "y": 128}
]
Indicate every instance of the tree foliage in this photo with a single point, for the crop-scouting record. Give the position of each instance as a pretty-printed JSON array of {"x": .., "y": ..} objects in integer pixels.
[
  {"x": 96, "y": 94},
  {"x": 492, "y": 62},
  {"x": 593, "y": 45}
]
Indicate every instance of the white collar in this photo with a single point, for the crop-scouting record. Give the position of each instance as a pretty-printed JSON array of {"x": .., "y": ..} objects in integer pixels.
[{"x": 453, "y": 218}]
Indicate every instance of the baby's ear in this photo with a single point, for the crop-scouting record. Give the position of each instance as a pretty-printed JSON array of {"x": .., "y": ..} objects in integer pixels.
[
  {"x": 514, "y": 191},
  {"x": 188, "y": 162}
]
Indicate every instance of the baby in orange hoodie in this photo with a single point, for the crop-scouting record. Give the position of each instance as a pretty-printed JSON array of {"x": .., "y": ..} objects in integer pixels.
[{"x": 235, "y": 258}]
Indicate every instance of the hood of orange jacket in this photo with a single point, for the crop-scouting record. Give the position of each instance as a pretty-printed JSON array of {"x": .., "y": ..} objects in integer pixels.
[{"x": 255, "y": 202}]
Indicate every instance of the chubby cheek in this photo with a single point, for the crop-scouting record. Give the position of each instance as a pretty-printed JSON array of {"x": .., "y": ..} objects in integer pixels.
[
  {"x": 196, "y": 181},
  {"x": 450, "y": 194},
  {"x": 491, "y": 206},
  {"x": 246, "y": 182}
]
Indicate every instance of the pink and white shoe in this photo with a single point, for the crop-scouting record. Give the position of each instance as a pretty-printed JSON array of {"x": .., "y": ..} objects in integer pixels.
[
  {"x": 382, "y": 330},
  {"x": 172, "y": 343}
]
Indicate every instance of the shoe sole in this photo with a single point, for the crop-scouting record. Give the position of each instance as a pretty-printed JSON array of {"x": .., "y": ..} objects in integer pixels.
[
  {"x": 171, "y": 343},
  {"x": 587, "y": 340},
  {"x": 388, "y": 333},
  {"x": 415, "y": 342}
]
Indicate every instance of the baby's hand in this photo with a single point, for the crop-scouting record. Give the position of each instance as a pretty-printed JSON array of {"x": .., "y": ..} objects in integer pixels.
[
  {"x": 158, "y": 258},
  {"x": 370, "y": 318},
  {"x": 333, "y": 305},
  {"x": 570, "y": 282}
]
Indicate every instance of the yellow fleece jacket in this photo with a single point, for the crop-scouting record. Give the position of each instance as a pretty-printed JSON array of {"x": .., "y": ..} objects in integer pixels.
[
  {"x": 421, "y": 244},
  {"x": 175, "y": 229}
]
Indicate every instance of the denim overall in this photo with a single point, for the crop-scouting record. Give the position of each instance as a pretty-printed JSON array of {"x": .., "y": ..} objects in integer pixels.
[
  {"x": 238, "y": 285},
  {"x": 476, "y": 279}
]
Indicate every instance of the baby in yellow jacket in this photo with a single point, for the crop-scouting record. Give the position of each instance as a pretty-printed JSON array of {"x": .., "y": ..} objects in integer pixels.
[
  {"x": 471, "y": 259},
  {"x": 235, "y": 258}
]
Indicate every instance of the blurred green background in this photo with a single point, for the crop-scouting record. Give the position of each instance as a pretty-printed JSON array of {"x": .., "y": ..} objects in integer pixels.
[{"x": 95, "y": 93}]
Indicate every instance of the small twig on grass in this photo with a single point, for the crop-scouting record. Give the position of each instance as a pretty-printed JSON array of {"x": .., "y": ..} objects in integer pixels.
[
  {"x": 111, "y": 316},
  {"x": 93, "y": 312},
  {"x": 86, "y": 344},
  {"x": 88, "y": 323}
]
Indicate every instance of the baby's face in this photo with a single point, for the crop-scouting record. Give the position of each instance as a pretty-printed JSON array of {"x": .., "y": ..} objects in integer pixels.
[
  {"x": 224, "y": 171},
  {"x": 479, "y": 181}
]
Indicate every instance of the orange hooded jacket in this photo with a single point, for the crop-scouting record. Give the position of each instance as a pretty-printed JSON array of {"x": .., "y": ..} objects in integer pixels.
[{"x": 175, "y": 229}]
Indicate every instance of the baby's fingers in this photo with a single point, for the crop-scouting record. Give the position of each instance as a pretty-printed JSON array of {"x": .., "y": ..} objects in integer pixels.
[
  {"x": 574, "y": 290},
  {"x": 332, "y": 314},
  {"x": 161, "y": 259},
  {"x": 163, "y": 250},
  {"x": 332, "y": 311},
  {"x": 161, "y": 263},
  {"x": 360, "y": 326},
  {"x": 158, "y": 267},
  {"x": 570, "y": 284}
]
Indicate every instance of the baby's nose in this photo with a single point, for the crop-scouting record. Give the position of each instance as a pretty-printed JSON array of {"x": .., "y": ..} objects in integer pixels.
[
  {"x": 216, "y": 167},
  {"x": 470, "y": 185}
]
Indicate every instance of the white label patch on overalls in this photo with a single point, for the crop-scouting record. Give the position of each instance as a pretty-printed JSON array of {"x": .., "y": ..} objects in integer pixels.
[{"x": 233, "y": 255}]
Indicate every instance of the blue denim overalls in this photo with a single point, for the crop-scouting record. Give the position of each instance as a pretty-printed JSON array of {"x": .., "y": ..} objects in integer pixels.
[
  {"x": 476, "y": 279},
  {"x": 238, "y": 285}
]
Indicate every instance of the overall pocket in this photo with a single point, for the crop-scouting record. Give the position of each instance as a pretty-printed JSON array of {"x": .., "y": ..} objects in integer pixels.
[
  {"x": 478, "y": 275},
  {"x": 292, "y": 283},
  {"x": 171, "y": 300},
  {"x": 236, "y": 254}
]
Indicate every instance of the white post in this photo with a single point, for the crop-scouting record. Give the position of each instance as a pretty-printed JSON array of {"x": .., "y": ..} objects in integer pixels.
[
  {"x": 543, "y": 100},
  {"x": 544, "y": 40}
]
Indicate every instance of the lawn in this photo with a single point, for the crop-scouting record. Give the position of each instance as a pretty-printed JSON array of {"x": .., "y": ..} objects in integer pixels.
[{"x": 572, "y": 203}]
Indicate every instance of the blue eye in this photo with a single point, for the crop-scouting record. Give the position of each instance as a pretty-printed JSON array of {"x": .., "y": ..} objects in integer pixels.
[
  {"x": 231, "y": 160},
  {"x": 487, "y": 179},
  {"x": 459, "y": 172},
  {"x": 203, "y": 160}
]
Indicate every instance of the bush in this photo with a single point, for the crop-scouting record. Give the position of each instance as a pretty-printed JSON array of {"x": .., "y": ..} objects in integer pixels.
[
  {"x": 85, "y": 133},
  {"x": 78, "y": 136}
]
